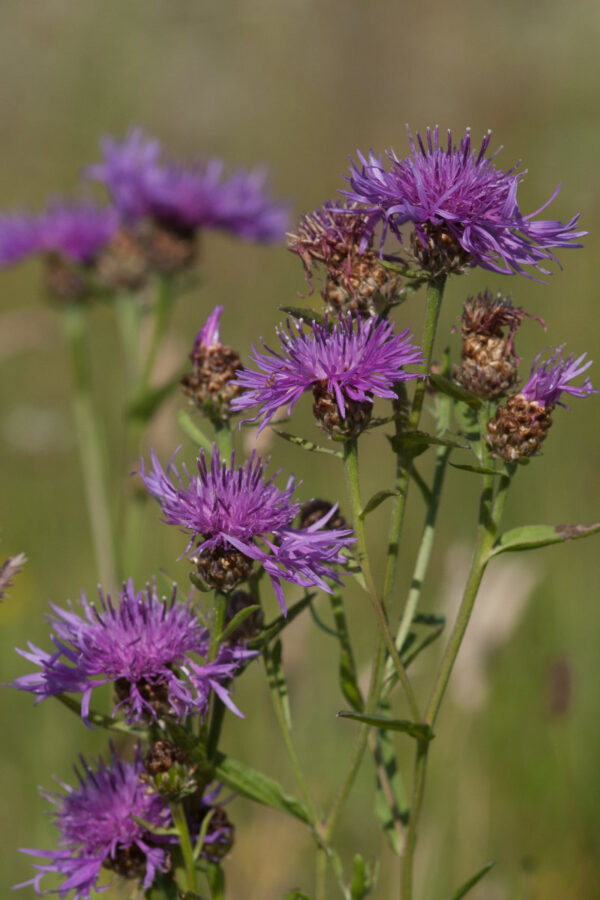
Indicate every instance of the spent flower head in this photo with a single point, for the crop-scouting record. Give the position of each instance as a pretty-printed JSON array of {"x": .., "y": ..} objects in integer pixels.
[
  {"x": 463, "y": 207},
  {"x": 345, "y": 365},
  {"x": 187, "y": 197},
  {"x": 146, "y": 646},
  {"x": 236, "y": 517},
  {"x": 99, "y": 825}
]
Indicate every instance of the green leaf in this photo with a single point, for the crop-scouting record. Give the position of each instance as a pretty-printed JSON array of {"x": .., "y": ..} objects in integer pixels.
[
  {"x": 464, "y": 890},
  {"x": 413, "y": 443},
  {"x": 481, "y": 470},
  {"x": 276, "y": 678},
  {"x": 276, "y": 627},
  {"x": 192, "y": 431},
  {"x": 391, "y": 805},
  {"x": 258, "y": 787},
  {"x": 216, "y": 880},
  {"x": 143, "y": 408},
  {"x": 347, "y": 667},
  {"x": 237, "y": 620},
  {"x": 445, "y": 386},
  {"x": 437, "y": 628},
  {"x": 468, "y": 423},
  {"x": 358, "y": 888},
  {"x": 418, "y": 730},
  {"x": 307, "y": 445},
  {"x": 164, "y": 888},
  {"x": 375, "y": 501},
  {"x": 353, "y": 568},
  {"x": 528, "y": 537},
  {"x": 307, "y": 314},
  {"x": 296, "y": 895}
]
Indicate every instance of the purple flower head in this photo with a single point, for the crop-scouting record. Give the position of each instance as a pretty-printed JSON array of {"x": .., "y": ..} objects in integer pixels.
[
  {"x": 208, "y": 336},
  {"x": 75, "y": 231},
  {"x": 229, "y": 510},
  {"x": 329, "y": 234},
  {"x": 98, "y": 829},
  {"x": 143, "y": 645},
  {"x": 356, "y": 360},
  {"x": 185, "y": 198},
  {"x": 461, "y": 192},
  {"x": 550, "y": 378}
]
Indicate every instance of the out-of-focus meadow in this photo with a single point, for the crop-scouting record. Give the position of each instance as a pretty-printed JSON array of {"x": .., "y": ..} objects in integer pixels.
[{"x": 299, "y": 85}]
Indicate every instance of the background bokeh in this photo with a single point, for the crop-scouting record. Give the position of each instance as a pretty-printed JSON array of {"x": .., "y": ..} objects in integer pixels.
[{"x": 300, "y": 84}]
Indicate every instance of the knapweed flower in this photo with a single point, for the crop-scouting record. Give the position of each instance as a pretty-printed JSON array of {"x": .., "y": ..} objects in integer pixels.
[
  {"x": 185, "y": 198},
  {"x": 356, "y": 279},
  {"x": 235, "y": 517},
  {"x": 521, "y": 424},
  {"x": 215, "y": 365},
  {"x": 464, "y": 209},
  {"x": 345, "y": 366},
  {"x": 143, "y": 645},
  {"x": 99, "y": 828}
]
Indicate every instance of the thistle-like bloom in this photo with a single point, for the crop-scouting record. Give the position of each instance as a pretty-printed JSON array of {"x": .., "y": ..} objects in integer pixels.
[
  {"x": 353, "y": 362},
  {"x": 521, "y": 424},
  {"x": 236, "y": 517},
  {"x": 74, "y": 231},
  {"x": 215, "y": 365},
  {"x": 551, "y": 377},
  {"x": 464, "y": 209},
  {"x": 143, "y": 645},
  {"x": 185, "y": 198},
  {"x": 99, "y": 828}
]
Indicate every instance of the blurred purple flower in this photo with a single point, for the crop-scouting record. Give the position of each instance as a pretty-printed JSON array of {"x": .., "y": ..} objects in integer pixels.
[
  {"x": 98, "y": 829},
  {"x": 185, "y": 198},
  {"x": 357, "y": 360},
  {"x": 461, "y": 192},
  {"x": 231, "y": 508},
  {"x": 550, "y": 378},
  {"x": 76, "y": 231},
  {"x": 143, "y": 646}
]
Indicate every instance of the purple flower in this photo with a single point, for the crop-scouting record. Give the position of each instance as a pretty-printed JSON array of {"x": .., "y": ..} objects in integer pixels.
[
  {"x": 75, "y": 231},
  {"x": 550, "y": 378},
  {"x": 98, "y": 829},
  {"x": 356, "y": 360},
  {"x": 235, "y": 516},
  {"x": 462, "y": 193},
  {"x": 329, "y": 234},
  {"x": 185, "y": 198},
  {"x": 143, "y": 645},
  {"x": 208, "y": 336}
]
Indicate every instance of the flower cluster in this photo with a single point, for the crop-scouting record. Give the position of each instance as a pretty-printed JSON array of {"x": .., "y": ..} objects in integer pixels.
[
  {"x": 345, "y": 364},
  {"x": 235, "y": 517},
  {"x": 463, "y": 208},
  {"x": 145, "y": 646}
]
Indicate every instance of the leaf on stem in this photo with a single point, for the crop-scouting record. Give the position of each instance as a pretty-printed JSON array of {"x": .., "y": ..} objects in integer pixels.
[
  {"x": 276, "y": 627},
  {"x": 143, "y": 408},
  {"x": 216, "y": 880},
  {"x": 192, "y": 431},
  {"x": 296, "y": 895},
  {"x": 468, "y": 423},
  {"x": 347, "y": 668},
  {"x": 306, "y": 314},
  {"x": 258, "y": 787},
  {"x": 364, "y": 878},
  {"x": 276, "y": 678},
  {"x": 165, "y": 888},
  {"x": 391, "y": 805},
  {"x": 436, "y": 623},
  {"x": 306, "y": 444},
  {"x": 480, "y": 470},
  {"x": 464, "y": 890},
  {"x": 237, "y": 620},
  {"x": 413, "y": 443},
  {"x": 418, "y": 730},
  {"x": 375, "y": 501},
  {"x": 445, "y": 386},
  {"x": 528, "y": 537}
]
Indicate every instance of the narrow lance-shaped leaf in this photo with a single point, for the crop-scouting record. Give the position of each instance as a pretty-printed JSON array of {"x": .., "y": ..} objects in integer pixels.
[
  {"x": 216, "y": 880},
  {"x": 307, "y": 314},
  {"x": 375, "y": 501},
  {"x": 480, "y": 470},
  {"x": 145, "y": 407},
  {"x": 418, "y": 730},
  {"x": 445, "y": 386},
  {"x": 464, "y": 890},
  {"x": 276, "y": 627},
  {"x": 347, "y": 669},
  {"x": 258, "y": 787},
  {"x": 528, "y": 537},
  {"x": 273, "y": 664},
  {"x": 307, "y": 445},
  {"x": 237, "y": 620},
  {"x": 192, "y": 431}
]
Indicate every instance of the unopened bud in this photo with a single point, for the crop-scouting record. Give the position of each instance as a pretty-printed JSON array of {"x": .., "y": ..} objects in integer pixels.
[{"x": 215, "y": 366}]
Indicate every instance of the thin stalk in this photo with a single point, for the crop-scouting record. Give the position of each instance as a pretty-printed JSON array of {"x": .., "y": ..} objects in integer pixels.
[
  {"x": 217, "y": 707},
  {"x": 162, "y": 309},
  {"x": 351, "y": 466},
  {"x": 433, "y": 305},
  {"x": 321, "y": 875},
  {"x": 413, "y": 821},
  {"x": 224, "y": 439},
  {"x": 89, "y": 443},
  {"x": 187, "y": 851},
  {"x": 128, "y": 316}
]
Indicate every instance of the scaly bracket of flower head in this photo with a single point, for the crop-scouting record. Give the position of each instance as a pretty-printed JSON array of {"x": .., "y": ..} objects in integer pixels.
[
  {"x": 345, "y": 366},
  {"x": 521, "y": 424},
  {"x": 142, "y": 645},
  {"x": 355, "y": 280},
  {"x": 8, "y": 570},
  {"x": 215, "y": 365},
  {"x": 489, "y": 363},
  {"x": 463, "y": 208},
  {"x": 236, "y": 517},
  {"x": 178, "y": 200}
]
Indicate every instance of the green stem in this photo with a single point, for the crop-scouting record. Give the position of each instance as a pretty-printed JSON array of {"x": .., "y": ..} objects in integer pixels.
[
  {"x": 217, "y": 707},
  {"x": 224, "y": 439},
  {"x": 435, "y": 291},
  {"x": 90, "y": 445},
  {"x": 187, "y": 851},
  {"x": 321, "y": 875},
  {"x": 351, "y": 465},
  {"x": 413, "y": 821},
  {"x": 162, "y": 309}
]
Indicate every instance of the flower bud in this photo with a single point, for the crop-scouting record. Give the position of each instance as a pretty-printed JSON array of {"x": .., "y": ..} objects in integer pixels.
[{"x": 214, "y": 368}]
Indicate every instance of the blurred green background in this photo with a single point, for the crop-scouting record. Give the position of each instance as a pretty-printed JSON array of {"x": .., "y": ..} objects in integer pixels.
[{"x": 300, "y": 84}]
